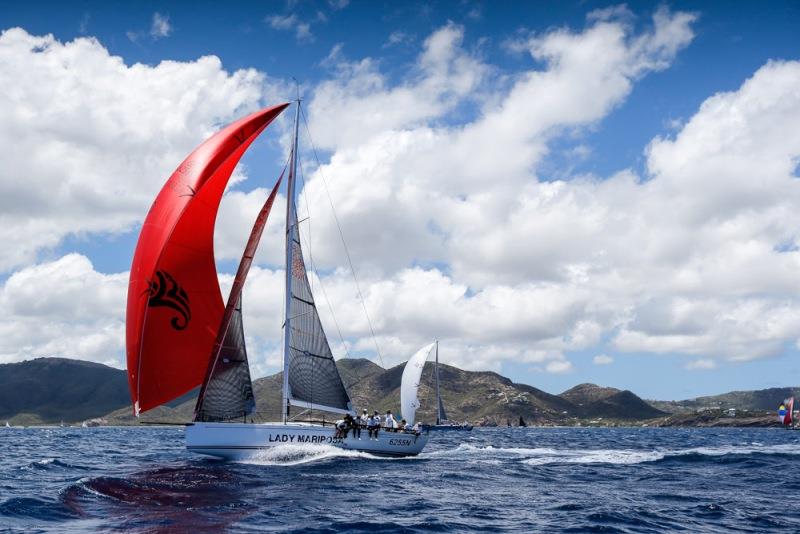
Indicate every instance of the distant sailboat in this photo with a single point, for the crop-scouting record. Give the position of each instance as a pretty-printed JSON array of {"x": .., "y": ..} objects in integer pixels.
[
  {"x": 785, "y": 412},
  {"x": 7, "y": 425},
  {"x": 181, "y": 335},
  {"x": 409, "y": 387}
]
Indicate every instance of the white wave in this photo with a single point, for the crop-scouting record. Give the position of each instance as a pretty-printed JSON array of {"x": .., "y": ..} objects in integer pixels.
[
  {"x": 784, "y": 448},
  {"x": 612, "y": 456},
  {"x": 465, "y": 449},
  {"x": 302, "y": 453},
  {"x": 599, "y": 456},
  {"x": 84, "y": 483},
  {"x": 37, "y": 464},
  {"x": 547, "y": 455}
]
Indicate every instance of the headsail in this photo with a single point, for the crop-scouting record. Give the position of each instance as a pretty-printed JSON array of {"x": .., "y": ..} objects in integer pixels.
[
  {"x": 227, "y": 391},
  {"x": 174, "y": 301},
  {"x": 409, "y": 384}
]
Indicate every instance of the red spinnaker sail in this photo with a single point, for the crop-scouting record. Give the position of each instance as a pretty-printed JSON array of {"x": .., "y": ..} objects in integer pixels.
[{"x": 174, "y": 301}]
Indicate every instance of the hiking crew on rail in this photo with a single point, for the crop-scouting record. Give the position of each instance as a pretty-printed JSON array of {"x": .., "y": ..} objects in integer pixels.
[{"x": 373, "y": 423}]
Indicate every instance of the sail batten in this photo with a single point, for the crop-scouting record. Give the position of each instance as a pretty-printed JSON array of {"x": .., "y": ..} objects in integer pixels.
[{"x": 319, "y": 407}]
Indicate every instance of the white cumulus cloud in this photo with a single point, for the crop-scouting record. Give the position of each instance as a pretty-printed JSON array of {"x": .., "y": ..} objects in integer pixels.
[
  {"x": 455, "y": 233},
  {"x": 87, "y": 140},
  {"x": 703, "y": 364},
  {"x": 602, "y": 359},
  {"x": 63, "y": 308}
]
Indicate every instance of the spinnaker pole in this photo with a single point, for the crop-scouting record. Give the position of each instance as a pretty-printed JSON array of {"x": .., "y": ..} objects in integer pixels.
[{"x": 290, "y": 222}]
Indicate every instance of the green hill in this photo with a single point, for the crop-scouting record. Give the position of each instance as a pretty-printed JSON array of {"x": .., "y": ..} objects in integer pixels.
[
  {"x": 758, "y": 400},
  {"x": 595, "y": 401},
  {"x": 49, "y": 390}
]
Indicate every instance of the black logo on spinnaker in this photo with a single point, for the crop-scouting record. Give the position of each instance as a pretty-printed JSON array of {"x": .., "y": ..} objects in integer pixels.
[{"x": 165, "y": 291}]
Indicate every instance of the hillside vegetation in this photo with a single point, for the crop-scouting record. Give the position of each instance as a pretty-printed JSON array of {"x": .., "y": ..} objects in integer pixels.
[{"x": 50, "y": 390}]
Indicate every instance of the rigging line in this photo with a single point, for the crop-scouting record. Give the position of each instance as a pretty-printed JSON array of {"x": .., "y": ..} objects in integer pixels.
[
  {"x": 313, "y": 268},
  {"x": 341, "y": 235}
]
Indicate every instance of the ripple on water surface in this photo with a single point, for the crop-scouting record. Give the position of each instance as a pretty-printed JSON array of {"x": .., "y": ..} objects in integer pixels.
[{"x": 535, "y": 479}]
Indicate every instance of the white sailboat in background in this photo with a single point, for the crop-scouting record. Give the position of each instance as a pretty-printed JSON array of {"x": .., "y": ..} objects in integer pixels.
[
  {"x": 180, "y": 335},
  {"x": 409, "y": 389}
]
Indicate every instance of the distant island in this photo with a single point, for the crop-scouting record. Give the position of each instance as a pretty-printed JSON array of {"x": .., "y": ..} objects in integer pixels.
[{"x": 55, "y": 390}]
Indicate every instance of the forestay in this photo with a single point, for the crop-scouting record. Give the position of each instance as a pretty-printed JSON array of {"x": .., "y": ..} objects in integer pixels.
[{"x": 409, "y": 384}]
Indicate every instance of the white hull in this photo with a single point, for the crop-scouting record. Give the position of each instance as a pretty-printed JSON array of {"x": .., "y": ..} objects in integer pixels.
[{"x": 238, "y": 441}]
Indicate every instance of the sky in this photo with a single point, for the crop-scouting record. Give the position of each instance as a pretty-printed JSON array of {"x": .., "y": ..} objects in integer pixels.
[{"x": 562, "y": 193}]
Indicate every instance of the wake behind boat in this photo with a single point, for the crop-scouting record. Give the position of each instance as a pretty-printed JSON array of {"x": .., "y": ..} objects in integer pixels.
[{"x": 180, "y": 335}]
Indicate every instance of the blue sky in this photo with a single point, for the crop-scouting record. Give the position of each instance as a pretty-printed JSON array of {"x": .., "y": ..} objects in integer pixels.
[{"x": 605, "y": 223}]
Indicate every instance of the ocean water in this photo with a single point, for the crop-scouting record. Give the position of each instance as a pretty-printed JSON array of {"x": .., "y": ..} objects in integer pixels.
[{"x": 490, "y": 480}]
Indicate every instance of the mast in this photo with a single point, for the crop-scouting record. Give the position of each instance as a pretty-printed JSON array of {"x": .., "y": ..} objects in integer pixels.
[
  {"x": 438, "y": 396},
  {"x": 290, "y": 218}
]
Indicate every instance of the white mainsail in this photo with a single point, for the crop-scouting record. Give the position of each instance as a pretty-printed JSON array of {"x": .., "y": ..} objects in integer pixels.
[{"x": 409, "y": 384}]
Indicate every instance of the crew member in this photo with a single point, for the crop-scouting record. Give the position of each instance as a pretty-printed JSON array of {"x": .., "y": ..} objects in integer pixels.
[
  {"x": 341, "y": 425},
  {"x": 391, "y": 424},
  {"x": 374, "y": 425},
  {"x": 360, "y": 420}
]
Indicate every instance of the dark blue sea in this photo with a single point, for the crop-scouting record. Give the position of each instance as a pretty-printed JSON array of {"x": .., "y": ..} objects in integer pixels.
[{"x": 490, "y": 480}]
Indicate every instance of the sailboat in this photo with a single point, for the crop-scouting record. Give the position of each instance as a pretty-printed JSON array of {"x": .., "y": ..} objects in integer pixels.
[
  {"x": 180, "y": 334},
  {"x": 409, "y": 387},
  {"x": 785, "y": 412}
]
